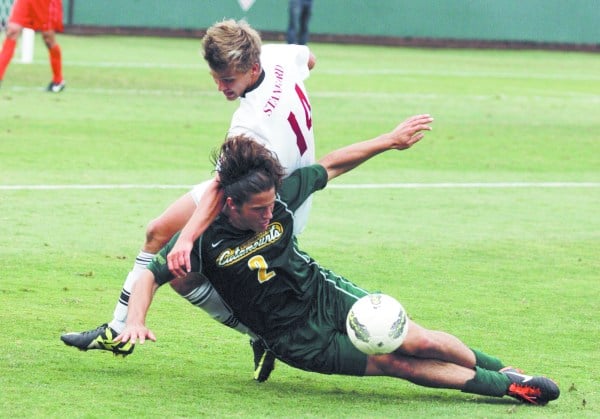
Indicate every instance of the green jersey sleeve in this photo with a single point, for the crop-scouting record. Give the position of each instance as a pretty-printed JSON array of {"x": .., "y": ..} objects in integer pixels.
[{"x": 301, "y": 183}]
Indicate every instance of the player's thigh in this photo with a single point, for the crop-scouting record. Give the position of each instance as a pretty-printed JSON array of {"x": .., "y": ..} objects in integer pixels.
[
  {"x": 321, "y": 343},
  {"x": 172, "y": 219},
  {"x": 318, "y": 347},
  {"x": 31, "y": 14},
  {"x": 20, "y": 13}
]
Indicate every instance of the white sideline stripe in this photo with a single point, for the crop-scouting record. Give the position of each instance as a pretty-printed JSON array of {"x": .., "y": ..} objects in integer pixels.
[
  {"x": 200, "y": 65},
  {"x": 483, "y": 185},
  {"x": 445, "y": 185},
  {"x": 579, "y": 97}
]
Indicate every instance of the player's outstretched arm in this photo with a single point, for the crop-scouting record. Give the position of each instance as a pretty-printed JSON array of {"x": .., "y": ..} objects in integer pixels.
[
  {"x": 139, "y": 303},
  {"x": 207, "y": 210},
  {"x": 402, "y": 137}
]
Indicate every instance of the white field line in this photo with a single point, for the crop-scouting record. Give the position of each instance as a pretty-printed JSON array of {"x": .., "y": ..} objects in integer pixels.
[
  {"x": 585, "y": 98},
  {"x": 445, "y": 185},
  {"x": 346, "y": 72},
  {"x": 576, "y": 97}
]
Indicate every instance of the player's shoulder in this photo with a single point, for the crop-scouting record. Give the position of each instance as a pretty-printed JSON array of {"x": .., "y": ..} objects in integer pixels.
[
  {"x": 314, "y": 174},
  {"x": 272, "y": 53},
  {"x": 291, "y": 49}
]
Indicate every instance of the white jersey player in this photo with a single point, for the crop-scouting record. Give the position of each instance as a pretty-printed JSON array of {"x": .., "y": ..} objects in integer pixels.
[{"x": 275, "y": 111}]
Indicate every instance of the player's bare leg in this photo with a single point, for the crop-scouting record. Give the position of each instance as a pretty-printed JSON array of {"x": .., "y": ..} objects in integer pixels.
[
  {"x": 158, "y": 233},
  {"x": 440, "y": 360}
]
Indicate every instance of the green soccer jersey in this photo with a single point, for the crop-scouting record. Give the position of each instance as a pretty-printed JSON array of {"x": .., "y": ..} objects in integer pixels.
[{"x": 263, "y": 277}]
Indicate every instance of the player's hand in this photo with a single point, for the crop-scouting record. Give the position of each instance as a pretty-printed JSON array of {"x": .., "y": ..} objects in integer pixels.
[
  {"x": 133, "y": 333},
  {"x": 178, "y": 259},
  {"x": 410, "y": 131}
]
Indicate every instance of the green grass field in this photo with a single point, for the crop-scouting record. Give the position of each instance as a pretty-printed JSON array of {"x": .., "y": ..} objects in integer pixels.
[{"x": 488, "y": 229}]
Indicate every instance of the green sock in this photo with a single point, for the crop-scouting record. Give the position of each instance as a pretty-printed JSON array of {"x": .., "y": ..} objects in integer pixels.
[
  {"x": 487, "y": 383},
  {"x": 486, "y": 361}
]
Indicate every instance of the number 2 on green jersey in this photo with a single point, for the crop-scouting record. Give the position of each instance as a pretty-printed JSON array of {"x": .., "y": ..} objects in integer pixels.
[{"x": 258, "y": 263}]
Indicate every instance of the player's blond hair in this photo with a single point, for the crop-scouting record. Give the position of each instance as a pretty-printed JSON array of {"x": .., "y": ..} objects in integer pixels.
[{"x": 230, "y": 44}]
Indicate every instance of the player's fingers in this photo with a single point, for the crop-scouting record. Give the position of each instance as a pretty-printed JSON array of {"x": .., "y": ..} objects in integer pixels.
[
  {"x": 424, "y": 117},
  {"x": 416, "y": 137},
  {"x": 418, "y": 119},
  {"x": 170, "y": 263},
  {"x": 174, "y": 262},
  {"x": 188, "y": 264},
  {"x": 422, "y": 123},
  {"x": 177, "y": 271},
  {"x": 125, "y": 337}
]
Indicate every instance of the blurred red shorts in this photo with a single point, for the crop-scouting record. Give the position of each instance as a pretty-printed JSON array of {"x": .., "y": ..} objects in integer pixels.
[{"x": 39, "y": 15}]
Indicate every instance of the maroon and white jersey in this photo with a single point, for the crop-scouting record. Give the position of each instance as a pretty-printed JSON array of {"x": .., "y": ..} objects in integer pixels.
[{"x": 277, "y": 112}]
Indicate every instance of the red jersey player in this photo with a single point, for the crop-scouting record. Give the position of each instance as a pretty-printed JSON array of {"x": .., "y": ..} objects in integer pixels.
[{"x": 44, "y": 16}]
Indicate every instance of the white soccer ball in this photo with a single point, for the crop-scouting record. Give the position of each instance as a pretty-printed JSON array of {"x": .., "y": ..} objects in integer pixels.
[{"x": 377, "y": 324}]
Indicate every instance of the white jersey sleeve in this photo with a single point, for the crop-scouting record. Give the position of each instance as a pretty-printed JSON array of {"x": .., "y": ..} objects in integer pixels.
[{"x": 277, "y": 112}]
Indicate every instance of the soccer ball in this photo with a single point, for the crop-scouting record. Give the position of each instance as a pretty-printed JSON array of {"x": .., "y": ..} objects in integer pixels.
[{"x": 377, "y": 324}]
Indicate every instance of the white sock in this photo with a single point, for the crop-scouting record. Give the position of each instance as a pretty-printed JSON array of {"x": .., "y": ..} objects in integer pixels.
[
  {"x": 208, "y": 299},
  {"x": 120, "y": 314}
]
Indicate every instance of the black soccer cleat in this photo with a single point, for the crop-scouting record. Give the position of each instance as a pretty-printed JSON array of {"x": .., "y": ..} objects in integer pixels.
[
  {"x": 56, "y": 87},
  {"x": 264, "y": 361},
  {"x": 530, "y": 389},
  {"x": 100, "y": 338}
]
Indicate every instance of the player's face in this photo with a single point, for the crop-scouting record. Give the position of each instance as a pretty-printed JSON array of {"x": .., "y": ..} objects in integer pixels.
[
  {"x": 234, "y": 83},
  {"x": 255, "y": 214}
]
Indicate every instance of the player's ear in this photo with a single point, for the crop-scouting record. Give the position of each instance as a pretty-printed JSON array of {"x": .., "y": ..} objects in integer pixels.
[
  {"x": 255, "y": 69},
  {"x": 230, "y": 204}
]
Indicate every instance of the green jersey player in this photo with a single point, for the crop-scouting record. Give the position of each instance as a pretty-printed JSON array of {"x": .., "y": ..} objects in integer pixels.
[
  {"x": 274, "y": 109},
  {"x": 295, "y": 306}
]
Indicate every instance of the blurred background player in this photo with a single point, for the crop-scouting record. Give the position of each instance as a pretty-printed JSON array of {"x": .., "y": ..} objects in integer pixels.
[
  {"x": 299, "y": 15},
  {"x": 44, "y": 16},
  {"x": 275, "y": 111}
]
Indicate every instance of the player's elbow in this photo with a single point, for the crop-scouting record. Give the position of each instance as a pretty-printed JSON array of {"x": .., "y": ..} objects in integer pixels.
[{"x": 312, "y": 61}]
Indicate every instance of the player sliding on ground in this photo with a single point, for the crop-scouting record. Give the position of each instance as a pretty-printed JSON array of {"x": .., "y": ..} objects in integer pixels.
[
  {"x": 295, "y": 306},
  {"x": 275, "y": 111}
]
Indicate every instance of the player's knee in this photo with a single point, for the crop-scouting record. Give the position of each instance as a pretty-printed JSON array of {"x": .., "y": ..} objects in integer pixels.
[
  {"x": 49, "y": 39},
  {"x": 13, "y": 31},
  {"x": 421, "y": 345},
  {"x": 183, "y": 286},
  {"x": 394, "y": 365}
]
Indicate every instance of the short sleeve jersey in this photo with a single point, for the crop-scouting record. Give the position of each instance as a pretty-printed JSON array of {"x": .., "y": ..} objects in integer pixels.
[
  {"x": 263, "y": 277},
  {"x": 277, "y": 112}
]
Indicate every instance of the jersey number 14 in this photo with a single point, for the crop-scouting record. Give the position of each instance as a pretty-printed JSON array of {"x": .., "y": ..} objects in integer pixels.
[{"x": 300, "y": 140}]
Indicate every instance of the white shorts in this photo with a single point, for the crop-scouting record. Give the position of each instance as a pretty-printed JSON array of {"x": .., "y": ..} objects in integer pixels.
[{"x": 198, "y": 190}]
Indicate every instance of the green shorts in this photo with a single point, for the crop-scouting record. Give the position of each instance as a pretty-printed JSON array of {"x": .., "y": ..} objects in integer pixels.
[{"x": 320, "y": 343}]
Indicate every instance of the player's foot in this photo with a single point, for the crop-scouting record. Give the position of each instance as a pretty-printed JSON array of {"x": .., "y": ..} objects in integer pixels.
[
  {"x": 56, "y": 87},
  {"x": 530, "y": 389},
  {"x": 100, "y": 338},
  {"x": 264, "y": 361}
]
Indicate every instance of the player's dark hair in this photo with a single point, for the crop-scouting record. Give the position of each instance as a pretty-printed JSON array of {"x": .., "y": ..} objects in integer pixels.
[{"x": 246, "y": 168}]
